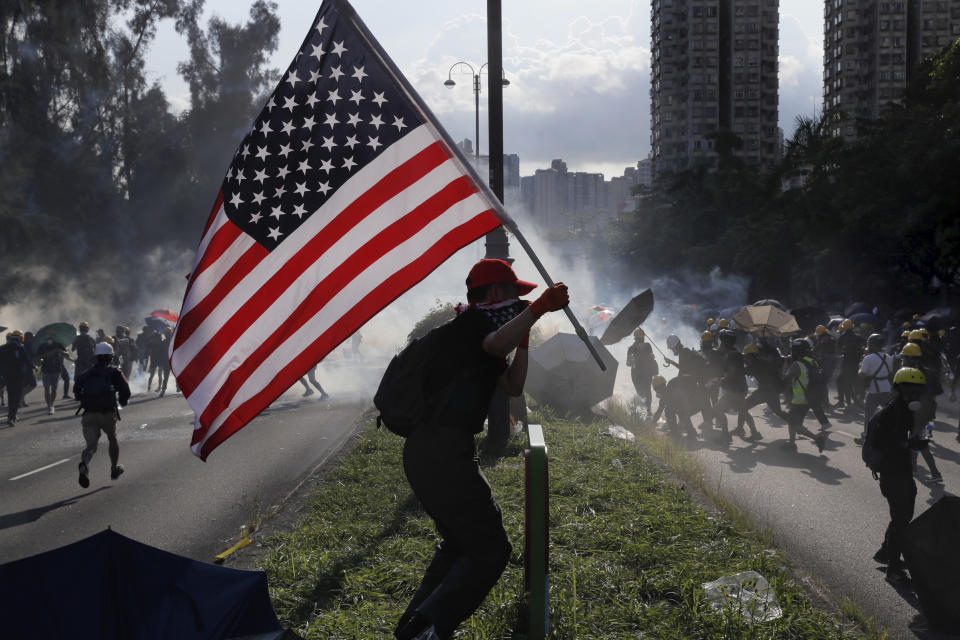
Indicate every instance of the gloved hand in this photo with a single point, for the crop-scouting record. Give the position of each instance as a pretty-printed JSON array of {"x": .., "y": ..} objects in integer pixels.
[{"x": 553, "y": 299}]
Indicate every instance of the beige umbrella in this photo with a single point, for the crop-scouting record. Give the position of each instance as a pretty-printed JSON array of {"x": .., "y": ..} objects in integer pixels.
[{"x": 766, "y": 320}]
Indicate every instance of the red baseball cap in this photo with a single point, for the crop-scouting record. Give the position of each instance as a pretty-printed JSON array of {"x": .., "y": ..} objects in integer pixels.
[{"x": 492, "y": 271}]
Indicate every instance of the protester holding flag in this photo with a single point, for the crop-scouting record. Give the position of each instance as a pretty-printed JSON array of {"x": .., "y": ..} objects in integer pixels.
[{"x": 439, "y": 456}]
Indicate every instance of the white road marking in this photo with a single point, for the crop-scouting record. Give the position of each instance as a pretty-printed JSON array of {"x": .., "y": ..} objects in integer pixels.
[{"x": 30, "y": 473}]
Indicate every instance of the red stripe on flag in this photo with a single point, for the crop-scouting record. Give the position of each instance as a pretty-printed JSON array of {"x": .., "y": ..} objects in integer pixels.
[
  {"x": 384, "y": 294},
  {"x": 381, "y": 244},
  {"x": 213, "y": 214},
  {"x": 393, "y": 183},
  {"x": 222, "y": 240},
  {"x": 234, "y": 276}
]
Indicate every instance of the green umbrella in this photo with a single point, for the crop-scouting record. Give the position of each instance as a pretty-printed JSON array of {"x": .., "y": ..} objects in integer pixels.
[{"x": 62, "y": 332}]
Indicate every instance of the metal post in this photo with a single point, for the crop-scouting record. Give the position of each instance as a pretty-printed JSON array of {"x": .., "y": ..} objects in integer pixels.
[
  {"x": 497, "y": 244},
  {"x": 537, "y": 541},
  {"x": 476, "y": 115}
]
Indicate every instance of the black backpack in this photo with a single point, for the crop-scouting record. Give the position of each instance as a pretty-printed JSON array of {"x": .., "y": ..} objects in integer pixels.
[
  {"x": 402, "y": 397},
  {"x": 96, "y": 390}
]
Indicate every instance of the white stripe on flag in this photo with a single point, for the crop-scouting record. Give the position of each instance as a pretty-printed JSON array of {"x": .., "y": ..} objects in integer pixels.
[
  {"x": 350, "y": 296},
  {"x": 398, "y": 153},
  {"x": 349, "y": 244}
]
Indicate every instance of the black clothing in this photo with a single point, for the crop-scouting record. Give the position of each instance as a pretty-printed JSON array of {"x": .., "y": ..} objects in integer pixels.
[
  {"x": 734, "y": 373},
  {"x": 901, "y": 493},
  {"x": 84, "y": 345},
  {"x": 15, "y": 369},
  {"x": 121, "y": 390},
  {"x": 894, "y": 423},
  {"x": 440, "y": 465},
  {"x": 51, "y": 357},
  {"x": 643, "y": 366}
]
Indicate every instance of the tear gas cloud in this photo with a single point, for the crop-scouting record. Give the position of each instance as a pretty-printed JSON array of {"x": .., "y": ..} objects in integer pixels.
[{"x": 112, "y": 294}]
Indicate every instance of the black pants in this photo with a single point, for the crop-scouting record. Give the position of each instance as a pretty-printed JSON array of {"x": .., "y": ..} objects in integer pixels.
[
  {"x": 641, "y": 383},
  {"x": 900, "y": 490},
  {"x": 439, "y": 464},
  {"x": 14, "y": 390}
]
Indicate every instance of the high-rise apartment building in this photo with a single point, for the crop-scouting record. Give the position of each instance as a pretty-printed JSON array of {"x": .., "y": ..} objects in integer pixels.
[
  {"x": 714, "y": 68},
  {"x": 870, "y": 49}
]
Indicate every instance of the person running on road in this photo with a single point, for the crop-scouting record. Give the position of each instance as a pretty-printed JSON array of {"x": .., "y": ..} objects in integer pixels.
[
  {"x": 51, "y": 355},
  {"x": 99, "y": 389},
  {"x": 733, "y": 387},
  {"x": 312, "y": 374},
  {"x": 769, "y": 384},
  {"x": 850, "y": 345},
  {"x": 691, "y": 363},
  {"x": 894, "y": 438},
  {"x": 14, "y": 368},
  {"x": 83, "y": 345},
  {"x": 679, "y": 399},
  {"x": 876, "y": 371},
  {"x": 799, "y": 373},
  {"x": 643, "y": 366}
]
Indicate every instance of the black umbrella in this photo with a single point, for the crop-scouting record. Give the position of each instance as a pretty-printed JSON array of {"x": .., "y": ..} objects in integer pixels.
[
  {"x": 930, "y": 549},
  {"x": 903, "y": 314},
  {"x": 109, "y": 586},
  {"x": 562, "y": 373},
  {"x": 858, "y": 307},
  {"x": 631, "y": 317},
  {"x": 939, "y": 318},
  {"x": 809, "y": 317}
]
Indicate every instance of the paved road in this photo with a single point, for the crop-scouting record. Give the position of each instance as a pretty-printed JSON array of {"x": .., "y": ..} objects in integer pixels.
[
  {"x": 826, "y": 510},
  {"x": 167, "y": 497}
]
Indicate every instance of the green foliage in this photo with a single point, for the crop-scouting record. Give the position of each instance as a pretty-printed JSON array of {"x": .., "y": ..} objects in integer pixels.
[
  {"x": 875, "y": 219},
  {"x": 629, "y": 551},
  {"x": 439, "y": 314},
  {"x": 97, "y": 176}
]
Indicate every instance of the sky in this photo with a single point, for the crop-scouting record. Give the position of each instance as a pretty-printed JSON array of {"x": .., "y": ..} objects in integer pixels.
[{"x": 579, "y": 72}]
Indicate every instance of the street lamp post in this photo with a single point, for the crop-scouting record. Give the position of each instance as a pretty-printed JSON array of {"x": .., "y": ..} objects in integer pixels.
[{"x": 450, "y": 83}]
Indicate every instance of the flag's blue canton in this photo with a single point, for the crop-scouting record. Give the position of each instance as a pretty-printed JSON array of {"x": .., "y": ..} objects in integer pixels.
[{"x": 334, "y": 111}]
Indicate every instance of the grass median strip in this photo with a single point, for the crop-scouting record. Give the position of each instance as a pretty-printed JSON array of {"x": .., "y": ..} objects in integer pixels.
[{"x": 629, "y": 551}]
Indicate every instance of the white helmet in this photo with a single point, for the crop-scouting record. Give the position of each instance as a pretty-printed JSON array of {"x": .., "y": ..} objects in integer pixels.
[
  {"x": 103, "y": 349},
  {"x": 673, "y": 342}
]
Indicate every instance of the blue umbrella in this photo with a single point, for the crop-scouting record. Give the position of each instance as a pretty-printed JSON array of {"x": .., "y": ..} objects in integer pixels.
[
  {"x": 865, "y": 318},
  {"x": 156, "y": 323}
]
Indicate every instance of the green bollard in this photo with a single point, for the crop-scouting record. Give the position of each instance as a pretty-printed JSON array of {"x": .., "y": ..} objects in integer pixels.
[{"x": 537, "y": 541}]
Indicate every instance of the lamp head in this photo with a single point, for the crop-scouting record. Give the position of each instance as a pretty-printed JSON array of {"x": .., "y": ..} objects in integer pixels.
[{"x": 449, "y": 84}]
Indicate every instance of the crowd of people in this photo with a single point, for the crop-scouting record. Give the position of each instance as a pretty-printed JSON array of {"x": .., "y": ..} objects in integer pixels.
[
  {"x": 24, "y": 359},
  {"x": 792, "y": 377},
  {"x": 894, "y": 378}
]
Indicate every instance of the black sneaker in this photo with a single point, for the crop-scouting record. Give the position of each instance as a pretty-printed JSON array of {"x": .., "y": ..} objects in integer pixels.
[
  {"x": 881, "y": 556},
  {"x": 820, "y": 441},
  {"x": 897, "y": 575},
  {"x": 83, "y": 479},
  {"x": 116, "y": 472}
]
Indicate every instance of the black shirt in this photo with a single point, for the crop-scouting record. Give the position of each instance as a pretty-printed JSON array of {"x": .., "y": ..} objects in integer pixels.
[
  {"x": 51, "y": 357},
  {"x": 462, "y": 382}
]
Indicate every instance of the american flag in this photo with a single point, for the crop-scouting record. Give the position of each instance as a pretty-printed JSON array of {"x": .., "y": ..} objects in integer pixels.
[{"x": 343, "y": 195}]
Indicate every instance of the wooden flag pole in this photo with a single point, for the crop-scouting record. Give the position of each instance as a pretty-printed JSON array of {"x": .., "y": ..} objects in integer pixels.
[{"x": 350, "y": 15}]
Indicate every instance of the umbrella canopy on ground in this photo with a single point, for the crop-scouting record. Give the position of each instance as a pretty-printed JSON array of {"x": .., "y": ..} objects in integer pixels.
[
  {"x": 109, "y": 586},
  {"x": 932, "y": 555},
  {"x": 809, "y": 317},
  {"x": 62, "y": 332},
  {"x": 766, "y": 320},
  {"x": 858, "y": 307},
  {"x": 865, "y": 318},
  {"x": 632, "y": 316},
  {"x": 563, "y": 374},
  {"x": 769, "y": 302}
]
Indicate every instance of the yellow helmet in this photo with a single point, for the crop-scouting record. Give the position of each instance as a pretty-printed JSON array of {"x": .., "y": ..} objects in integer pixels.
[
  {"x": 15, "y": 335},
  {"x": 706, "y": 336},
  {"x": 942, "y": 332},
  {"x": 710, "y": 321},
  {"x": 906, "y": 324},
  {"x": 905, "y": 334},
  {"x": 820, "y": 330},
  {"x": 916, "y": 316},
  {"x": 658, "y": 381},
  {"x": 911, "y": 350},
  {"x": 750, "y": 349},
  {"x": 916, "y": 334},
  {"x": 909, "y": 375},
  {"x": 84, "y": 325},
  {"x": 638, "y": 334},
  {"x": 846, "y": 325},
  {"x": 925, "y": 334},
  {"x": 723, "y": 323}
]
